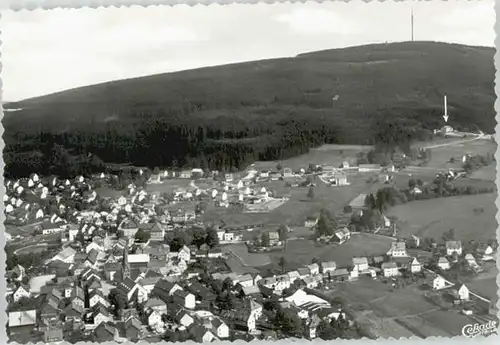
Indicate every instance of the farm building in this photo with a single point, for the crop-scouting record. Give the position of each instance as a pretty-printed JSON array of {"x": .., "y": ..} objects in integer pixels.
[
  {"x": 339, "y": 179},
  {"x": 398, "y": 249},
  {"x": 390, "y": 269},
  {"x": 453, "y": 247},
  {"x": 369, "y": 167},
  {"x": 311, "y": 222},
  {"x": 438, "y": 283}
]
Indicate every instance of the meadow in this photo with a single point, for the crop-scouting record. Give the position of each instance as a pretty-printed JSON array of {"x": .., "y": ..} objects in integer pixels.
[
  {"x": 440, "y": 156},
  {"x": 328, "y": 154},
  {"x": 432, "y": 218},
  {"x": 407, "y": 307},
  {"x": 301, "y": 252}
]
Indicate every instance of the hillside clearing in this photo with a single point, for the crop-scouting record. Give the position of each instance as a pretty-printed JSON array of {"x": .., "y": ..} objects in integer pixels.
[{"x": 432, "y": 218}]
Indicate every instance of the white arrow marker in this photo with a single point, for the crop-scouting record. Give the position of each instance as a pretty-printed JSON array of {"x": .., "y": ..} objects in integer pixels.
[{"x": 445, "y": 116}]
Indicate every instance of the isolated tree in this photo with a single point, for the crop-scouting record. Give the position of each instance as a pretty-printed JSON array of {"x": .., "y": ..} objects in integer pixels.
[
  {"x": 282, "y": 264},
  {"x": 118, "y": 300},
  {"x": 264, "y": 239},
  {"x": 310, "y": 193},
  {"x": 370, "y": 201},
  {"x": 412, "y": 183},
  {"x": 283, "y": 232},
  {"x": 279, "y": 167},
  {"x": 212, "y": 238},
  {"x": 142, "y": 236}
]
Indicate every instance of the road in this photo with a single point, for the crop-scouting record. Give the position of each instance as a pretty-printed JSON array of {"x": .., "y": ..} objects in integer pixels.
[{"x": 454, "y": 142}]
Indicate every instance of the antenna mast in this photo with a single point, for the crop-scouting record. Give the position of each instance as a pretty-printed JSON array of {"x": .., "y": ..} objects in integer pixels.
[{"x": 412, "y": 24}]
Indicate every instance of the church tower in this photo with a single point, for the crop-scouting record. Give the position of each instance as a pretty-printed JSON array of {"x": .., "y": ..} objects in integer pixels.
[{"x": 125, "y": 264}]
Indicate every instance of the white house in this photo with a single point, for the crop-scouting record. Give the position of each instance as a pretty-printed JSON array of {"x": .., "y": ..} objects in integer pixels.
[
  {"x": 453, "y": 247},
  {"x": 415, "y": 266},
  {"x": 463, "y": 293},
  {"x": 20, "y": 292},
  {"x": 443, "y": 263},
  {"x": 313, "y": 268},
  {"x": 184, "y": 298},
  {"x": 360, "y": 263},
  {"x": 438, "y": 283},
  {"x": 185, "y": 254},
  {"x": 154, "y": 318},
  {"x": 328, "y": 266},
  {"x": 390, "y": 269},
  {"x": 398, "y": 249},
  {"x": 220, "y": 329}
]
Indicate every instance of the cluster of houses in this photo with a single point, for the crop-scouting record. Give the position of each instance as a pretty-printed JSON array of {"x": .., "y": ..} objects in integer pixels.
[{"x": 161, "y": 292}]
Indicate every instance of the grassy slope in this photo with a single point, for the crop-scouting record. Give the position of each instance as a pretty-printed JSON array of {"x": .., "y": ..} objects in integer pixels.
[{"x": 404, "y": 78}]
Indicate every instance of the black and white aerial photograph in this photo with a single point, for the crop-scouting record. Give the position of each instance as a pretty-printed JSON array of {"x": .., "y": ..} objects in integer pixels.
[{"x": 250, "y": 172}]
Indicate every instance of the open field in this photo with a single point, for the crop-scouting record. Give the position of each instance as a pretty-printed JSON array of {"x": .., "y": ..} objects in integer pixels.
[
  {"x": 36, "y": 248},
  {"x": 241, "y": 261},
  {"x": 168, "y": 185},
  {"x": 324, "y": 155},
  {"x": 474, "y": 182},
  {"x": 484, "y": 283},
  {"x": 431, "y": 218},
  {"x": 298, "y": 207},
  {"x": 407, "y": 307},
  {"x": 440, "y": 156},
  {"x": 301, "y": 252},
  {"x": 488, "y": 173}
]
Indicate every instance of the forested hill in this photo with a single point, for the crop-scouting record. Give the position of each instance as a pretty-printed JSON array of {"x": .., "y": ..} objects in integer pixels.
[{"x": 228, "y": 116}]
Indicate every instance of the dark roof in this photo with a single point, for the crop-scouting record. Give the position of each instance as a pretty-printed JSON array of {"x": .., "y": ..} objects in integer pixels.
[
  {"x": 200, "y": 291},
  {"x": 126, "y": 285},
  {"x": 181, "y": 293},
  {"x": 164, "y": 285},
  {"x": 92, "y": 256},
  {"x": 112, "y": 266}
]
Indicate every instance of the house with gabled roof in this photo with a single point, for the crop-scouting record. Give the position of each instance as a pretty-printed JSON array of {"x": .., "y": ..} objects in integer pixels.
[
  {"x": 453, "y": 247},
  {"x": 328, "y": 266},
  {"x": 313, "y": 269},
  {"x": 183, "y": 318},
  {"x": 97, "y": 297},
  {"x": 390, "y": 269},
  {"x": 311, "y": 222},
  {"x": 22, "y": 291},
  {"x": 128, "y": 287},
  {"x": 341, "y": 235},
  {"x": 398, "y": 249},
  {"x": 438, "y": 283},
  {"x": 155, "y": 304},
  {"x": 463, "y": 293},
  {"x": 105, "y": 331},
  {"x": 100, "y": 314},
  {"x": 443, "y": 263},
  {"x": 184, "y": 298},
  {"x": 22, "y": 318},
  {"x": 414, "y": 265},
  {"x": 73, "y": 312},
  {"x": 133, "y": 328},
  {"x": 471, "y": 261},
  {"x": 219, "y": 328},
  {"x": 200, "y": 334},
  {"x": 360, "y": 263}
]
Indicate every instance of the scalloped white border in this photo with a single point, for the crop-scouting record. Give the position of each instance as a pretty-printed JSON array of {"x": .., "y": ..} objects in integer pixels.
[{"x": 17, "y": 5}]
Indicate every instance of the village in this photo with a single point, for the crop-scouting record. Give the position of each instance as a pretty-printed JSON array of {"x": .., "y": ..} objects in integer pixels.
[{"x": 143, "y": 262}]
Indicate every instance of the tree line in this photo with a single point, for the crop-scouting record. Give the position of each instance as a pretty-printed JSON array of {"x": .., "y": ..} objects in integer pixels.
[{"x": 158, "y": 141}]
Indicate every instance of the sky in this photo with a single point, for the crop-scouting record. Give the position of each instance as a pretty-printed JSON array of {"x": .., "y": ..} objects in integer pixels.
[{"x": 50, "y": 51}]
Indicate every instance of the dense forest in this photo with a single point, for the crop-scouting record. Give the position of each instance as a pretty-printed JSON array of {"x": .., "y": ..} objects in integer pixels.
[{"x": 227, "y": 117}]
